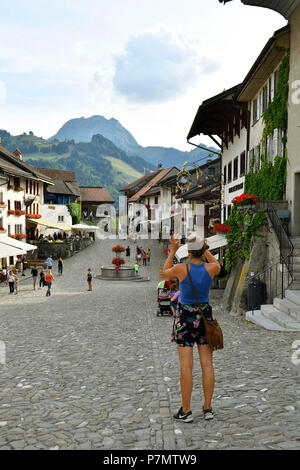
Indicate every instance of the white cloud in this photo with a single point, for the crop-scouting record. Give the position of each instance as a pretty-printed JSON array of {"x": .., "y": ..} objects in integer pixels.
[
  {"x": 2, "y": 92},
  {"x": 158, "y": 65}
]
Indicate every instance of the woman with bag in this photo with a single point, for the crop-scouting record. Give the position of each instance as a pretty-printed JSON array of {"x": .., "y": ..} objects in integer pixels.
[{"x": 194, "y": 322}]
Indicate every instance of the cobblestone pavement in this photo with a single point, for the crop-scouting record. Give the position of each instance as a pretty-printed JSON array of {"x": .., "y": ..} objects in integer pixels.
[{"x": 97, "y": 370}]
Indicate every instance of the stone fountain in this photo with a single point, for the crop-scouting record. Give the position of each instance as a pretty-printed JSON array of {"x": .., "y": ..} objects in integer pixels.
[{"x": 125, "y": 273}]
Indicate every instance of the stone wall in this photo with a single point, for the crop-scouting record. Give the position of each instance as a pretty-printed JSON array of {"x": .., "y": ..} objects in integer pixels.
[
  {"x": 63, "y": 250},
  {"x": 265, "y": 253}
]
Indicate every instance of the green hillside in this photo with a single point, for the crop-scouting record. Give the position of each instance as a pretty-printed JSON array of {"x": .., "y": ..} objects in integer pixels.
[
  {"x": 96, "y": 163},
  {"x": 82, "y": 130}
]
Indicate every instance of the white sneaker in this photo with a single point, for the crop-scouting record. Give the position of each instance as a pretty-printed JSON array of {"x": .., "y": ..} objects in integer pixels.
[{"x": 208, "y": 414}]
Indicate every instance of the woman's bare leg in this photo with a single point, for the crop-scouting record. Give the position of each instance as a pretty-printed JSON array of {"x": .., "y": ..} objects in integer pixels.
[
  {"x": 208, "y": 376},
  {"x": 186, "y": 376}
]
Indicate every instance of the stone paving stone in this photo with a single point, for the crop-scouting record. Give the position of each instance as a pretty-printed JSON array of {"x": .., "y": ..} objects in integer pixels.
[{"x": 98, "y": 370}]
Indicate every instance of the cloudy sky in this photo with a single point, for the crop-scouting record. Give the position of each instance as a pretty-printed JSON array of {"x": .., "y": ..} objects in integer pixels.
[{"x": 147, "y": 64}]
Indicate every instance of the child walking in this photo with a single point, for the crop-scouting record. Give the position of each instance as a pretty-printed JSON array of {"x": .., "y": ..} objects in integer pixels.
[
  {"x": 89, "y": 279},
  {"x": 136, "y": 268}
]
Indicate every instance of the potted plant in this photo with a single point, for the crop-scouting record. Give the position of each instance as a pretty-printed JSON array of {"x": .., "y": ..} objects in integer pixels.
[
  {"x": 221, "y": 228},
  {"x": 245, "y": 201},
  {"x": 118, "y": 249},
  {"x": 2, "y": 229},
  {"x": 118, "y": 261}
]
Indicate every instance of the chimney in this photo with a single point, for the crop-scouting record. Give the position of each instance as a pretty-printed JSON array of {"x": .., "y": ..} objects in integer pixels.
[
  {"x": 18, "y": 154},
  {"x": 159, "y": 166}
]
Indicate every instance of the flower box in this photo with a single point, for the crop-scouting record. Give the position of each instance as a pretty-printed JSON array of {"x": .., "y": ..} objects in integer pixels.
[
  {"x": 11, "y": 212},
  {"x": 2, "y": 230},
  {"x": 20, "y": 236},
  {"x": 33, "y": 216},
  {"x": 245, "y": 200},
  {"x": 2, "y": 204},
  {"x": 221, "y": 228},
  {"x": 19, "y": 212},
  {"x": 19, "y": 189},
  {"x": 12, "y": 236}
]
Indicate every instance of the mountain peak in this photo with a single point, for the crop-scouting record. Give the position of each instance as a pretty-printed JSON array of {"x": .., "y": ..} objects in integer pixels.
[{"x": 82, "y": 130}]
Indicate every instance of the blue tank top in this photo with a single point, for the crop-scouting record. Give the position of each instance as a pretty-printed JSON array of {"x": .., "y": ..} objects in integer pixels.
[{"x": 202, "y": 283}]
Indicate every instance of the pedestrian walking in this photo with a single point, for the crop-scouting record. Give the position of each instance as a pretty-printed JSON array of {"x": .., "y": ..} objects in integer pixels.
[
  {"x": 195, "y": 280},
  {"x": 4, "y": 274},
  {"x": 144, "y": 259},
  {"x": 24, "y": 265},
  {"x": 89, "y": 279},
  {"x": 42, "y": 278},
  {"x": 60, "y": 266},
  {"x": 128, "y": 251},
  {"x": 16, "y": 282},
  {"x": 136, "y": 268},
  {"x": 11, "y": 282},
  {"x": 49, "y": 279},
  {"x": 148, "y": 255},
  {"x": 34, "y": 273},
  {"x": 49, "y": 262}
]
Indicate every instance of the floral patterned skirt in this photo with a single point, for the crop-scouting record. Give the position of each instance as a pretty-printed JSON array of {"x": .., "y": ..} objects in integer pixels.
[{"x": 188, "y": 326}]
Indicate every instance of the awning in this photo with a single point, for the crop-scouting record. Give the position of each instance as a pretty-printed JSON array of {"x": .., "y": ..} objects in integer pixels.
[
  {"x": 48, "y": 224},
  {"x": 214, "y": 242},
  {"x": 87, "y": 228},
  {"x": 6, "y": 250},
  {"x": 24, "y": 247}
]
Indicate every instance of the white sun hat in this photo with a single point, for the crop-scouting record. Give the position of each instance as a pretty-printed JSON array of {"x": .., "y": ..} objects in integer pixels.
[{"x": 195, "y": 243}]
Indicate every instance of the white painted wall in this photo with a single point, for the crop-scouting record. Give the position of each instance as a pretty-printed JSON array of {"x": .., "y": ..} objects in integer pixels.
[
  {"x": 234, "y": 150},
  {"x": 293, "y": 144},
  {"x": 51, "y": 213}
]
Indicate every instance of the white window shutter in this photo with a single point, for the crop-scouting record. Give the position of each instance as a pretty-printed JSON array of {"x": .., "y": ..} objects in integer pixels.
[
  {"x": 272, "y": 86},
  {"x": 275, "y": 143}
]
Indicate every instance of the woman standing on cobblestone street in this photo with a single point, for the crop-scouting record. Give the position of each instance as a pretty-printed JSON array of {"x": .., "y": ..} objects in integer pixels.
[
  {"x": 49, "y": 279},
  {"x": 189, "y": 326},
  {"x": 11, "y": 282}
]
